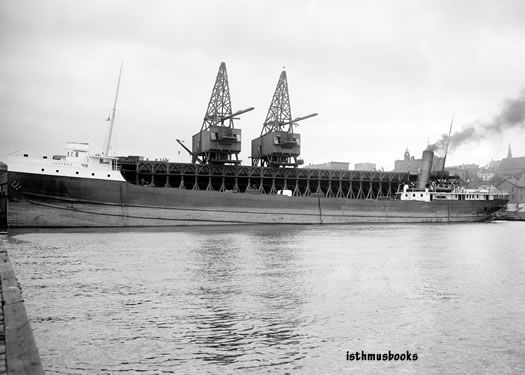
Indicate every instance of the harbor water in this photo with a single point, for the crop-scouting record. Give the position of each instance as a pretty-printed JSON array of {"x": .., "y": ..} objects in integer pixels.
[{"x": 276, "y": 299}]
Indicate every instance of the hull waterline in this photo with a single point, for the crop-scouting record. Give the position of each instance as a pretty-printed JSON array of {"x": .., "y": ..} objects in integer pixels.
[{"x": 67, "y": 202}]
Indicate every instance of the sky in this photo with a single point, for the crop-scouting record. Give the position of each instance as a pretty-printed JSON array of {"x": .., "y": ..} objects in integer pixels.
[{"x": 383, "y": 75}]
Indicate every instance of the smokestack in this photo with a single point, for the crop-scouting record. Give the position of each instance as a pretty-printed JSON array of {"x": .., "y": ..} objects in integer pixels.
[{"x": 424, "y": 171}]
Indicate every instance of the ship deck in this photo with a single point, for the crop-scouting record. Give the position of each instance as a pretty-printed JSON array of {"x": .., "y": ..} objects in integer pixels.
[{"x": 266, "y": 180}]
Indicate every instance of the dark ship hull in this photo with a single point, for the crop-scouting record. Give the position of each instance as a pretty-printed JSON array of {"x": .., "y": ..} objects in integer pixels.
[{"x": 37, "y": 200}]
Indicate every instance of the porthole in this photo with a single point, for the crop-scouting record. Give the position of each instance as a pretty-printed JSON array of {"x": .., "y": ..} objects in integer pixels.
[
  {"x": 57, "y": 170},
  {"x": 92, "y": 174},
  {"x": 76, "y": 172},
  {"x": 109, "y": 175},
  {"x": 42, "y": 169}
]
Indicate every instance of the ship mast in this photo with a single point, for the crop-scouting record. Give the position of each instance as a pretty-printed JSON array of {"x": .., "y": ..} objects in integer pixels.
[
  {"x": 448, "y": 142},
  {"x": 112, "y": 119}
]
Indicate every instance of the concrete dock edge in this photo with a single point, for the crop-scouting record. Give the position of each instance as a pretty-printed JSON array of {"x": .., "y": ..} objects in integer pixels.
[{"x": 21, "y": 352}]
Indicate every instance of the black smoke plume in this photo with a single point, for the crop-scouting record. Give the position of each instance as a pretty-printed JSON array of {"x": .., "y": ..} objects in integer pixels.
[{"x": 511, "y": 116}]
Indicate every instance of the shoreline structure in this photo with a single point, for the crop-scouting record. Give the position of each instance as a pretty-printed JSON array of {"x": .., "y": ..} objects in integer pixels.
[{"x": 18, "y": 349}]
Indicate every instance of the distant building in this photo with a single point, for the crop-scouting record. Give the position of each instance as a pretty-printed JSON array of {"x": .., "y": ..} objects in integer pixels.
[
  {"x": 493, "y": 166},
  {"x": 510, "y": 177},
  {"x": 511, "y": 168},
  {"x": 468, "y": 173},
  {"x": 334, "y": 165},
  {"x": 412, "y": 165},
  {"x": 516, "y": 189},
  {"x": 485, "y": 175},
  {"x": 365, "y": 167}
]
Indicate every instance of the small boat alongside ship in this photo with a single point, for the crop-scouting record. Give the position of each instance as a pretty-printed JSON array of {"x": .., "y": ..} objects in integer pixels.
[{"x": 82, "y": 189}]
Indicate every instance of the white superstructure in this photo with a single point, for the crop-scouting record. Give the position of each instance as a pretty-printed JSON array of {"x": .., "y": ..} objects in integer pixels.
[
  {"x": 76, "y": 163},
  {"x": 457, "y": 194}
]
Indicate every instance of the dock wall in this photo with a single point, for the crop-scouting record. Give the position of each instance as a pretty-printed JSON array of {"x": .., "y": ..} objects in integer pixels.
[
  {"x": 18, "y": 350},
  {"x": 3, "y": 196}
]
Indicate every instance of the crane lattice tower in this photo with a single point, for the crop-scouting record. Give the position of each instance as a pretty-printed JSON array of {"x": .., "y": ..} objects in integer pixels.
[
  {"x": 278, "y": 145},
  {"x": 279, "y": 111},
  {"x": 220, "y": 105},
  {"x": 218, "y": 141}
]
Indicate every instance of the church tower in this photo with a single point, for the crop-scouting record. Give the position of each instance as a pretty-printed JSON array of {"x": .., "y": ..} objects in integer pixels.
[
  {"x": 509, "y": 153},
  {"x": 407, "y": 154}
]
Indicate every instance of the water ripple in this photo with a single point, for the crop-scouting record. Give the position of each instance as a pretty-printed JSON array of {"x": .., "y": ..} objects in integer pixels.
[{"x": 276, "y": 299}]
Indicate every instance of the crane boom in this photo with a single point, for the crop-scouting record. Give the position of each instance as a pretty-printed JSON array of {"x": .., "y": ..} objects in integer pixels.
[
  {"x": 189, "y": 151},
  {"x": 298, "y": 119},
  {"x": 224, "y": 118}
]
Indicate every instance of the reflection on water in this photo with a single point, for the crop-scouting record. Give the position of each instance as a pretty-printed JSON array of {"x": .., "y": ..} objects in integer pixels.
[
  {"x": 224, "y": 332},
  {"x": 276, "y": 299}
]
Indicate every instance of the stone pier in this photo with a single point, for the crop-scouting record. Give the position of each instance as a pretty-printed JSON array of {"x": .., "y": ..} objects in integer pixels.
[{"x": 18, "y": 350}]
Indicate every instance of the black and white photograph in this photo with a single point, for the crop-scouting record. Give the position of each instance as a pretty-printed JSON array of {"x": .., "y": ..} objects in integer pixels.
[{"x": 262, "y": 187}]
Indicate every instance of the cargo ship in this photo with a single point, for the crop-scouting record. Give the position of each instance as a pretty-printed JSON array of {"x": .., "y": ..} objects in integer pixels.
[{"x": 83, "y": 189}]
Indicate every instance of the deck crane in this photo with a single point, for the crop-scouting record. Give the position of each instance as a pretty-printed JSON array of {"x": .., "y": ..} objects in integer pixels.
[
  {"x": 218, "y": 141},
  {"x": 278, "y": 145}
]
